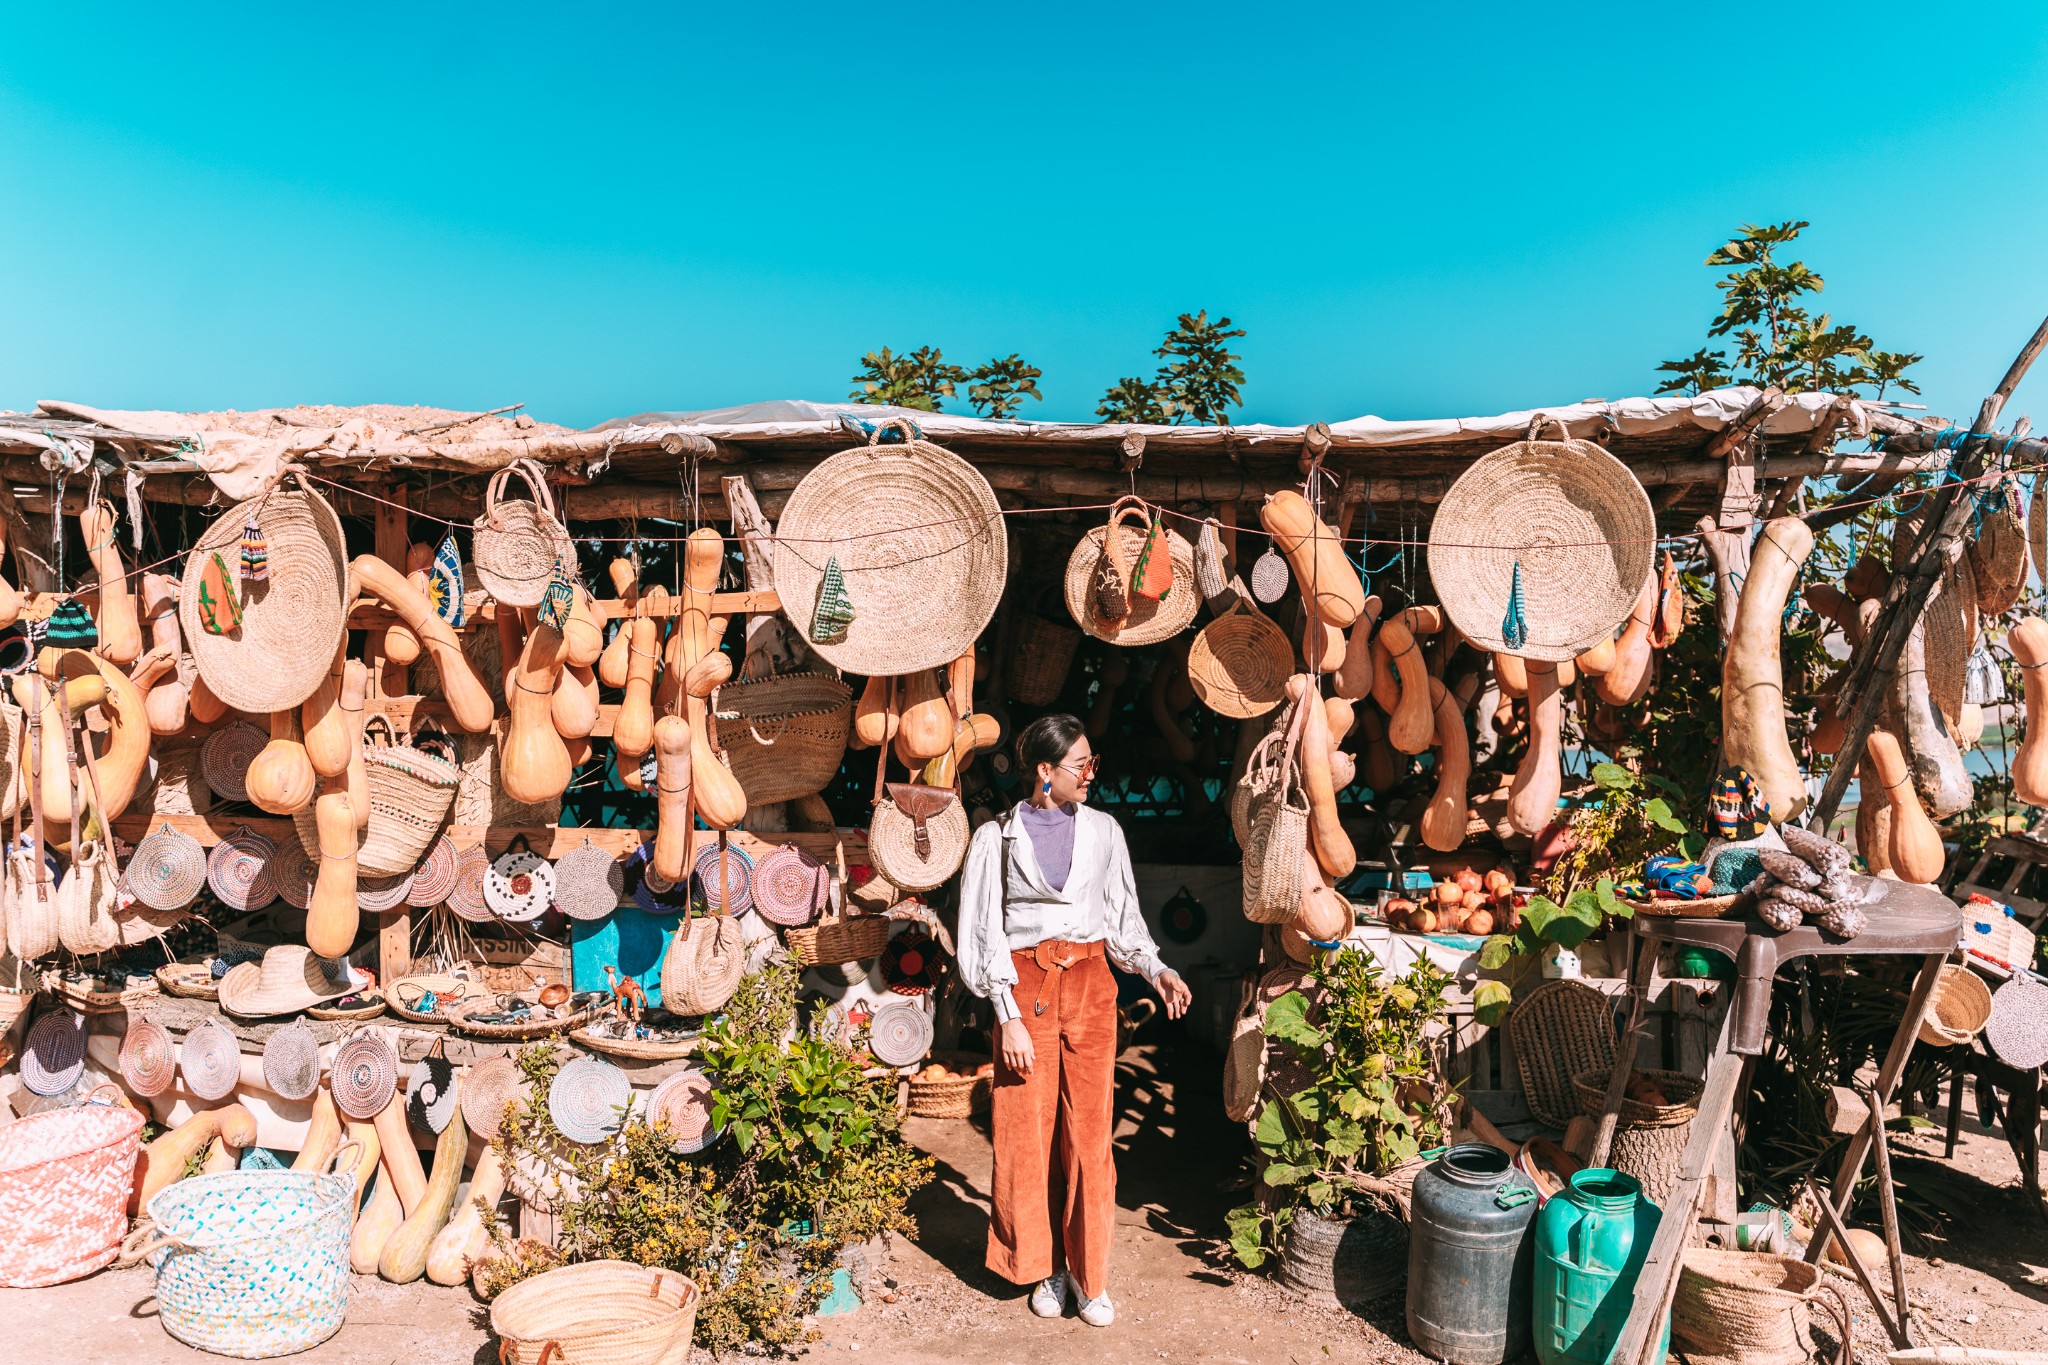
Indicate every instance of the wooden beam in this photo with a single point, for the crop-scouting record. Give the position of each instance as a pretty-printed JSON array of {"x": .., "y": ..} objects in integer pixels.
[
  {"x": 1737, "y": 433},
  {"x": 550, "y": 841}
]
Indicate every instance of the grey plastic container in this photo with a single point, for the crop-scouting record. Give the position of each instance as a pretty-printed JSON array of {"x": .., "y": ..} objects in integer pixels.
[{"x": 1470, "y": 1257}]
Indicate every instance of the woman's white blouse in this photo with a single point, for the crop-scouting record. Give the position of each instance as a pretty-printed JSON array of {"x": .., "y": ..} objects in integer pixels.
[{"x": 1007, "y": 906}]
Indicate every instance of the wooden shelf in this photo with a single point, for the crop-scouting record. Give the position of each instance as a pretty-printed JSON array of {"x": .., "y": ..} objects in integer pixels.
[{"x": 550, "y": 841}]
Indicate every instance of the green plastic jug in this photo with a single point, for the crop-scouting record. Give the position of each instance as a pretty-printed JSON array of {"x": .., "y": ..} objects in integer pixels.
[{"x": 1591, "y": 1240}]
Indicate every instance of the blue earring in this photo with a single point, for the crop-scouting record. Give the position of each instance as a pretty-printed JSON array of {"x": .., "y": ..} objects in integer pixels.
[{"x": 1047, "y": 788}]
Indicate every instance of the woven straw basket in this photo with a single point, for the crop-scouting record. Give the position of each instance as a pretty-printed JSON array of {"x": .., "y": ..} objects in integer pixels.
[
  {"x": 952, "y": 1096},
  {"x": 1949, "y": 621},
  {"x": 597, "y": 1313},
  {"x": 64, "y": 1182},
  {"x": 1649, "y": 1140},
  {"x": 1572, "y": 517},
  {"x": 1239, "y": 663},
  {"x": 411, "y": 791},
  {"x": 1150, "y": 620},
  {"x": 1041, "y": 656},
  {"x": 918, "y": 536},
  {"x": 516, "y": 543},
  {"x": 1561, "y": 1029},
  {"x": 838, "y": 939},
  {"x": 1998, "y": 552},
  {"x": 292, "y": 621},
  {"x": 892, "y": 845},
  {"x": 1269, "y": 812},
  {"x": 1743, "y": 1307},
  {"x": 783, "y": 737},
  {"x": 1960, "y": 1009}
]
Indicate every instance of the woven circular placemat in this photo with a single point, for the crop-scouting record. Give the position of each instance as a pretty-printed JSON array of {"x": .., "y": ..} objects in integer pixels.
[
  {"x": 736, "y": 876},
  {"x": 210, "y": 1061},
  {"x": 589, "y": 882},
  {"x": 383, "y": 893},
  {"x": 918, "y": 537},
  {"x": 1151, "y": 620},
  {"x": 168, "y": 869},
  {"x": 1576, "y": 523},
  {"x": 54, "y": 1056},
  {"x": 1560, "y": 1031},
  {"x": 434, "y": 878},
  {"x": 900, "y": 1034},
  {"x": 225, "y": 756},
  {"x": 291, "y": 1061},
  {"x": 588, "y": 1099},
  {"x": 789, "y": 886},
  {"x": 484, "y": 1092},
  {"x": 364, "y": 1077},
  {"x": 149, "y": 1059},
  {"x": 1239, "y": 664},
  {"x": 466, "y": 897},
  {"x": 239, "y": 870},
  {"x": 430, "y": 1096},
  {"x": 294, "y": 871},
  {"x": 2018, "y": 1028},
  {"x": 683, "y": 1103}
]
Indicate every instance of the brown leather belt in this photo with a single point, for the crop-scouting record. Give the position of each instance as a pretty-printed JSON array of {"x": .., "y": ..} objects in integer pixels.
[{"x": 1055, "y": 956}]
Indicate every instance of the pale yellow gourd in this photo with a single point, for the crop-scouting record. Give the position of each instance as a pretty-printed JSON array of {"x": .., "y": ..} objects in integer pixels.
[
  {"x": 166, "y": 698},
  {"x": 355, "y": 687},
  {"x": 1327, "y": 838},
  {"x": 375, "y": 1224},
  {"x": 1512, "y": 675},
  {"x": 1916, "y": 851},
  {"x": 466, "y": 1237},
  {"x": 469, "y": 702},
  {"x": 533, "y": 763},
  {"x": 672, "y": 772},
  {"x": 2029, "y": 644},
  {"x": 1532, "y": 798},
  {"x": 120, "y": 629},
  {"x": 35, "y": 694},
  {"x": 400, "y": 645},
  {"x": 206, "y": 708},
  {"x": 332, "y": 916},
  {"x": 1413, "y": 722},
  {"x": 613, "y": 662},
  {"x": 1321, "y": 567},
  {"x": 925, "y": 727},
  {"x": 585, "y": 638},
  {"x": 124, "y": 754},
  {"x": 369, "y": 1148},
  {"x": 330, "y": 738},
  {"x": 874, "y": 715},
  {"x": 164, "y": 1161},
  {"x": 1322, "y": 645},
  {"x": 1598, "y": 658},
  {"x": 1443, "y": 822},
  {"x": 281, "y": 779},
  {"x": 404, "y": 1255},
  {"x": 323, "y": 1135},
  {"x": 633, "y": 726},
  {"x": 1752, "y": 676}
]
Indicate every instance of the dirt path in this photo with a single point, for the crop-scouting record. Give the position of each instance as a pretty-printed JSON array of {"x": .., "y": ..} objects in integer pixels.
[{"x": 1178, "y": 1161}]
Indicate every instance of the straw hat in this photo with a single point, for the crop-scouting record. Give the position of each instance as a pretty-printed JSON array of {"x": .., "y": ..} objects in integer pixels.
[
  {"x": 917, "y": 536},
  {"x": 683, "y": 1104},
  {"x": 363, "y": 1077},
  {"x": 485, "y": 1090},
  {"x": 1240, "y": 662},
  {"x": 291, "y": 1061},
  {"x": 589, "y": 882},
  {"x": 293, "y": 620},
  {"x": 239, "y": 870},
  {"x": 1150, "y": 620},
  {"x": 211, "y": 1060},
  {"x": 588, "y": 1099},
  {"x": 225, "y": 756},
  {"x": 149, "y": 1060},
  {"x": 290, "y": 977},
  {"x": 789, "y": 886},
  {"x": 900, "y": 1034},
  {"x": 1563, "y": 520},
  {"x": 55, "y": 1054}
]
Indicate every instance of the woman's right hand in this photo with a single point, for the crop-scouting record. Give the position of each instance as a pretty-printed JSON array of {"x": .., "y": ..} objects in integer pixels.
[{"x": 1016, "y": 1047}]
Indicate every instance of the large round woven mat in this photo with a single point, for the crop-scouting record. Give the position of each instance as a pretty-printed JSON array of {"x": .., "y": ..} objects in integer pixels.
[
  {"x": 383, "y": 893},
  {"x": 434, "y": 878},
  {"x": 225, "y": 756},
  {"x": 735, "y": 876},
  {"x": 789, "y": 886},
  {"x": 211, "y": 1061},
  {"x": 292, "y": 622},
  {"x": 485, "y": 1090},
  {"x": 168, "y": 869},
  {"x": 1239, "y": 664},
  {"x": 294, "y": 871},
  {"x": 900, "y": 1034},
  {"x": 588, "y": 1099},
  {"x": 1150, "y": 621},
  {"x": 55, "y": 1053},
  {"x": 1561, "y": 1030},
  {"x": 683, "y": 1103},
  {"x": 149, "y": 1059},
  {"x": 589, "y": 882},
  {"x": 239, "y": 870},
  {"x": 466, "y": 897},
  {"x": 519, "y": 886},
  {"x": 1576, "y": 521},
  {"x": 918, "y": 536},
  {"x": 364, "y": 1077},
  {"x": 291, "y": 1061},
  {"x": 2018, "y": 1030}
]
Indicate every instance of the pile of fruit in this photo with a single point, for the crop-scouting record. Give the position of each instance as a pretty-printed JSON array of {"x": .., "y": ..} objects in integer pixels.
[
  {"x": 939, "y": 1071},
  {"x": 1462, "y": 903}
]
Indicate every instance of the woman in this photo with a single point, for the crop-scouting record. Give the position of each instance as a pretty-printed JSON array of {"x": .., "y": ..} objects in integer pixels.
[{"x": 1047, "y": 895}]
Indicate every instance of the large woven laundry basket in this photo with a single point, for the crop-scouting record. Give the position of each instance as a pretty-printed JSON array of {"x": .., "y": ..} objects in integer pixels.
[
  {"x": 597, "y": 1313},
  {"x": 64, "y": 1182}
]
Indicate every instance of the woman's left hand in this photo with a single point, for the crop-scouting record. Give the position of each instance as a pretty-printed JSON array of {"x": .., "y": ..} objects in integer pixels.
[{"x": 1174, "y": 992}]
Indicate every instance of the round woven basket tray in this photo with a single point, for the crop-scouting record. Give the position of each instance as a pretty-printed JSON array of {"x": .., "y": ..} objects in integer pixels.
[
  {"x": 372, "y": 1006},
  {"x": 188, "y": 980},
  {"x": 457, "y": 1018},
  {"x": 634, "y": 1049},
  {"x": 1670, "y": 907},
  {"x": 449, "y": 989},
  {"x": 953, "y": 1096}
]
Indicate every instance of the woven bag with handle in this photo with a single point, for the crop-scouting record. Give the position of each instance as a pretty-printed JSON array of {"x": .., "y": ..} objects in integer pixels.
[
  {"x": 1273, "y": 824},
  {"x": 1112, "y": 569},
  {"x": 517, "y": 544},
  {"x": 703, "y": 964}
]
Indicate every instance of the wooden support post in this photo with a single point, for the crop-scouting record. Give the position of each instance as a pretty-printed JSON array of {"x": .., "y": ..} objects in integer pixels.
[
  {"x": 1888, "y": 1210},
  {"x": 1832, "y": 1229}
]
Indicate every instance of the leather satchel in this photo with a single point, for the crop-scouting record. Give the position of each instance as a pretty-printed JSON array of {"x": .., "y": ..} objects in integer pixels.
[
  {"x": 923, "y": 805},
  {"x": 918, "y": 836}
]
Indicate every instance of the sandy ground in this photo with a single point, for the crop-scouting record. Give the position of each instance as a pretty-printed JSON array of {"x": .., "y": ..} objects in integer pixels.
[{"x": 1180, "y": 1161}]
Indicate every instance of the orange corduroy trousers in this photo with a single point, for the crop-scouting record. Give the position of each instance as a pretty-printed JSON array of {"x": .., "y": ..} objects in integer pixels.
[{"x": 1054, "y": 1200}]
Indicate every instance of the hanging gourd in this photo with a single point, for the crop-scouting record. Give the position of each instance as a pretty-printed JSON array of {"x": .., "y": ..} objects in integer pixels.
[
  {"x": 1354, "y": 674},
  {"x": 281, "y": 778},
  {"x": 355, "y": 686},
  {"x": 926, "y": 726},
  {"x": 400, "y": 645},
  {"x": 330, "y": 737},
  {"x": 124, "y": 754},
  {"x": 670, "y": 859},
  {"x": 166, "y": 697},
  {"x": 1443, "y": 824},
  {"x": 719, "y": 799},
  {"x": 120, "y": 632},
  {"x": 1916, "y": 850},
  {"x": 332, "y": 914},
  {"x": 874, "y": 716},
  {"x": 1317, "y": 557},
  {"x": 1412, "y": 722},
  {"x": 2029, "y": 644},
  {"x": 584, "y": 635},
  {"x": 468, "y": 700},
  {"x": 617, "y": 656},
  {"x": 1628, "y": 677},
  {"x": 1532, "y": 799},
  {"x": 1752, "y": 675},
  {"x": 575, "y": 703},
  {"x": 534, "y": 765},
  {"x": 1328, "y": 841}
]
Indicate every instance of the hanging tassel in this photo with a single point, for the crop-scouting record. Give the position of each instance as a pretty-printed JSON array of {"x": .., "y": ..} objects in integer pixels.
[
  {"x": 255, "y": 553},
  {"x": 444, "y": 582},
  {"x": 834, "y": 611},
  {"x": 559, "y": 597},
  {"x": 1514, "y": 630}
]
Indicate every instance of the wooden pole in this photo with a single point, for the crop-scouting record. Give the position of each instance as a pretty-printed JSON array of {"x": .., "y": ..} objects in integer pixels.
[{"x": 1870, "y": 670}]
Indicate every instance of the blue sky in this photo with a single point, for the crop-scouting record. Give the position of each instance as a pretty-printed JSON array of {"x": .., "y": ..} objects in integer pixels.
[{"x": 644, "y": 207}]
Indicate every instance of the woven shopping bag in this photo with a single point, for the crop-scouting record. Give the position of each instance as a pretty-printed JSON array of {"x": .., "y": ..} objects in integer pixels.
[{"x": 1270, "y": 811}]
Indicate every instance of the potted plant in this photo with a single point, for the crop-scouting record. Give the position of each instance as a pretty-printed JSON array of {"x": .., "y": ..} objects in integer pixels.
[{"x": 1353, "y": 1091}]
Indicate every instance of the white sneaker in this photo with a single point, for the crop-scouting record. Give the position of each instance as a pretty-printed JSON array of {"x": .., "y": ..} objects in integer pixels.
[
  {"x": 1098, "y": 1311},
  {"x": 1049, "y": 1300}
]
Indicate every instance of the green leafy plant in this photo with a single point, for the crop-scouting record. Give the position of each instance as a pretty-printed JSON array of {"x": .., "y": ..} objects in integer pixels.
[
  {"x": 916, "y": 380},
  {"x": 1131, "y": 399},
  {"x": 1200, "y": 382},
  {"x": 997, "y": 388},
  {"x": 1372, "y": 1098}
]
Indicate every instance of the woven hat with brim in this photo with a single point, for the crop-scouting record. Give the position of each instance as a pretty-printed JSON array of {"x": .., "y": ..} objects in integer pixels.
[
  {"x": 149, "y": 1060},
  {"x": 485, "y": 1091},
  {"x": 211, "y": 1060},
  {"x": 683, "y": 1104},
  {"x": 910, "y": 964},
  {"x": 916, "y": 535},
  {"x": 290, "y": 977},
  {"x": 1559, "y": 528},
  {"x": 291, "y": 1061},
  {"x": 55, "y": 1055}
]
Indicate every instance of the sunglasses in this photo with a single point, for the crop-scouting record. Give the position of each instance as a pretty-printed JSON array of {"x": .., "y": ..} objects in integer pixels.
[{"x": 1089, "y": 767}]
